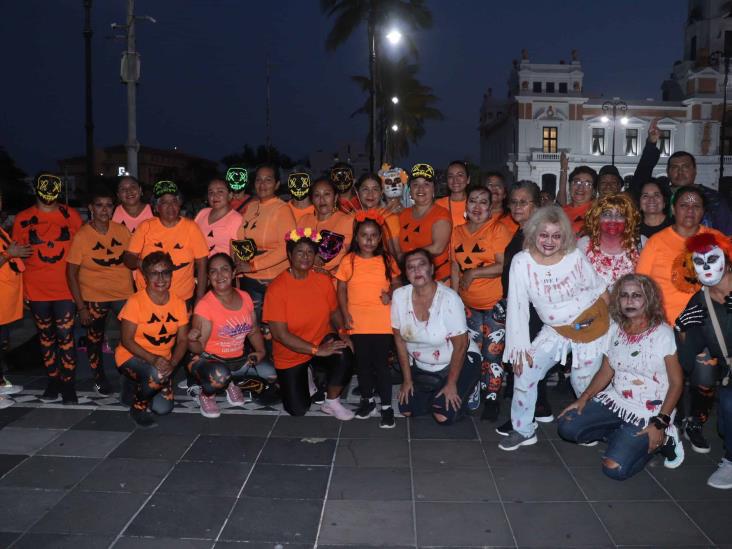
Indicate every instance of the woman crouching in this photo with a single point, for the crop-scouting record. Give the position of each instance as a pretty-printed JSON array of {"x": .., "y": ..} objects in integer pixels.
[{"x": 642, "y": 381}]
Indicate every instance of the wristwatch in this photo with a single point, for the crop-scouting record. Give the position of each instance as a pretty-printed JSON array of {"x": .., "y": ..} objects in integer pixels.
[{"x": 658, "y": 423}]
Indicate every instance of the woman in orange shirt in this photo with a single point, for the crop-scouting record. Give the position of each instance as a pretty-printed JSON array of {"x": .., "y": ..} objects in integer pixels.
[
  {"x": 496, "y": 184},
  {"x": 11, "y": 302},
  {"x": 366, "y": 278},
  {"x": 131, "y": 210},
  {"x": 478, "y": 247},
  {"x": 308, "y": 329},
  {"x": 426, "y": 225},
  {"x": 370, "y": 193},
  {"x": 334, "y": 226},
  {"x": 98, "y": 279},
  {"x": 458, "y": 179},
  {"x": 49, "y": 227},
  {"x": 219, "y": 222},
  {"x": 154, "y": 338}
]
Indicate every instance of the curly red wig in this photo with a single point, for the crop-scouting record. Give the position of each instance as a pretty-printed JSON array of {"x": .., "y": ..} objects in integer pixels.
[
  {"x": 626, "y": 207},
  {"x": 703, "y": 242}
]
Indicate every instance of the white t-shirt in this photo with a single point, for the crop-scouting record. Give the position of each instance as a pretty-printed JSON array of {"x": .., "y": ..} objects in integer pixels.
[
  {"x": 640, "y": 384},
  {"x": 428, "y": 343}
]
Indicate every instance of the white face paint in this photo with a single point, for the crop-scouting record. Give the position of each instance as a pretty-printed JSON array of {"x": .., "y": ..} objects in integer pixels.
[
  {"x": 393, "y": 184},
  {"x": 709, "y": 266}
]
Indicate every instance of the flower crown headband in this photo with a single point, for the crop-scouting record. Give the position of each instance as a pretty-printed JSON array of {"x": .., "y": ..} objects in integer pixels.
[
  {"x": 373, "y": 215},
  {"x": 295, "y": 235}
]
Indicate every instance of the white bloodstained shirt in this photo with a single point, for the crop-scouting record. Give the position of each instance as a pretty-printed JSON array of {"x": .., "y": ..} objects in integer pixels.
[{"x": 559, "y": 293}]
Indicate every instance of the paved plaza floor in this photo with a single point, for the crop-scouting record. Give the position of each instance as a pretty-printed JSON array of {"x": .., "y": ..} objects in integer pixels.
[{"x": 86, "y": 477}]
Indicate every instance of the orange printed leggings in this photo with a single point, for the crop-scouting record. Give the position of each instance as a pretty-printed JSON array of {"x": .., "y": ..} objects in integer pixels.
[{"x": 55, "y": 324}]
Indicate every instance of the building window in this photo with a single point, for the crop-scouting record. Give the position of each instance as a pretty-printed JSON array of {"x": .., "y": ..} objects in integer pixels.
[
  {"x": 537, "y": 87},
  {"x": 598, "y": 141},
  {"x": 664, "y": 142},
  {"x": 549, "y": 139},
  {"x": 550, "y": 87},
  {"x": 727, "y": 137},
  {"x": 631, "y": 142},
  {"x": 562, "y": 87}
]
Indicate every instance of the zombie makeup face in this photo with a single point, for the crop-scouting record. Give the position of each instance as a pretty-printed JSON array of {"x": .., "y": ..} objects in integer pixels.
[
  {"x": 48, "y": 188},
  {"x": 549, "y": 239},
  {"x": 709, "y": 266},
  {"x": 393, "y": 181},
  {"x": 612, "y": 223},
  {"x": 632, "y": 300},
  {"x": 237, "y": 179},
  {"x": 299, "y": 185},
  {"x": 342, "y": 178}
]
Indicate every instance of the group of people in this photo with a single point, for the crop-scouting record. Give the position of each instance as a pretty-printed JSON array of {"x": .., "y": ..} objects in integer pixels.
[{"x": 626, "y": 290}]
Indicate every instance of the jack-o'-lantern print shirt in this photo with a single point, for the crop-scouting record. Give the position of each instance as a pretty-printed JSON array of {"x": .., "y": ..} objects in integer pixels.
[
  {"x": 102, "y": 274},
  {"x": 184, "y": 242},
  {"x": 157, "y": 325},
  {"x": 50, "y": 235}
]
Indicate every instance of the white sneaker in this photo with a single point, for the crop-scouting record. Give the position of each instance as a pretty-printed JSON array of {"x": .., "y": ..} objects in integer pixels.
[
  {"x": 722, "y": 477},
  {"x": 6, "y": 402},
  {"x": 673, "y": 451},
  {"x": 7, "y": 388},
  {"x": 336, "y": 409}
]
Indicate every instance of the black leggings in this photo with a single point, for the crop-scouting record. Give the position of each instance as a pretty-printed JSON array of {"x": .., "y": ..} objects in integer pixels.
[
  {"x": 213, "y": 374},
  {"x": 95, "y": 333},
  {"x": 55, "y": 324},
  {"x": 293, "y": 381},
  {"x": 372, "y": 366},
  {"x": 148, "y": 383}
]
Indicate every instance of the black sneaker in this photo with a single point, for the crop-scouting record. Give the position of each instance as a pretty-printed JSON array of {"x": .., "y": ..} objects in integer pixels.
[
  {"x": 52, "y": 392},
  {"x": 543, "y": 415},
  {"x": 143, "y": 418},
  {"x": 505, "y": 429},
  {"x": 103, "y": 387},
  {"x": 693, "y": 433},
  {"x": 387, "y": 419},
  {"x": 318, "y": 397},
  {"x": 491, "y": 409},
  {"x": 365, "y": 409},
  {"x": 68, "y": 393}
]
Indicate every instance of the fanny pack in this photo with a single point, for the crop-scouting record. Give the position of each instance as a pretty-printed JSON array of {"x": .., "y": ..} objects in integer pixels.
[
  {"x": 429, "y": 382},
  {"x": 591, "y": 324}
]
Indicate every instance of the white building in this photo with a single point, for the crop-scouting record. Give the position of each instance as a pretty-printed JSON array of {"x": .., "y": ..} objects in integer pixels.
[{"x": 547, "y": 112}]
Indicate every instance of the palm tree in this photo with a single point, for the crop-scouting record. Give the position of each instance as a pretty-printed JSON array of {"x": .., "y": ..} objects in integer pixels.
[
  {"x": 376, "y": 14},
  {"x": 416, "y": 105}
]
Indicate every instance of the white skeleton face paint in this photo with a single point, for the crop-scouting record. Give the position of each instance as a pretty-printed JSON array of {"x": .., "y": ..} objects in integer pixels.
[
  {"x": 709, "y": 266},
  {"x": 393, "y": 184}
]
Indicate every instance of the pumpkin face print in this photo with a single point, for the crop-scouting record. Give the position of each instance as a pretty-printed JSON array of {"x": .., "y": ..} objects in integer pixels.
[
  {"x": 46, "y": 249},
  {"x": 176, "y": 246},
  {"x": 106, "y": 256},
  {"x": 156, "y": 332}
]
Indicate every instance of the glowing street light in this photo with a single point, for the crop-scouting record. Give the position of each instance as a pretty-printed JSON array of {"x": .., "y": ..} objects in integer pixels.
[
  {"x": 394, "y": 128},
  {"x": 394, "y": 36},
  {"x": 615, "y": 106},
  {"x": 604, "y": 119},
  {"x": 624, "y": 121},
  {"x": 395, "y": 100}
]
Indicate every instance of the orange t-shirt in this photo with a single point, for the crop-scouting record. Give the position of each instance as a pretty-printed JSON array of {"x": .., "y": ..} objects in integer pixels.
[
  {"x": 508, "y": 222},
  {"x": 576, "y": 215},
  {"x": 184, "y": 242},
  {"x": 339, "y": 223},
  {"x": 229, "y": 328},
  {"x": 366, "y": 280},
  {"x": 121, "y": 216},
  {"x": 299, "y": 213},
  {"x": 479, "y": 249},
  {"x": 50, "y": 234},
  {"x": 657, "y": 261},
  {"x": 456, "y": 209},
  {"x": 157, "y": 325},
  {"x": 349, "y": 206},
  {"x": 11, "y": 284},
  {"x": 305, "y": 306},
  {"x": 417, "y": 233},
  {"x": 238, "y": 204},
  {"x": 267, "y": 223},
  {"x": 221, "y": 232},
  {"x": 102, "y": 274}
]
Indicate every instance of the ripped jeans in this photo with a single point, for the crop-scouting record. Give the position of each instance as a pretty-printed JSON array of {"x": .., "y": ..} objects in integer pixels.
[
  {"x": 545, "y": 357},
  {"x": 624, "y": 447}
]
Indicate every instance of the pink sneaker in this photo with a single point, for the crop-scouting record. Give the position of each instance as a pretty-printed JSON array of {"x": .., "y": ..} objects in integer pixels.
[
  {"x": 209, "y": 408},
  {"x": 336, "y": 409},
  {"x": 234, "y": 395}
]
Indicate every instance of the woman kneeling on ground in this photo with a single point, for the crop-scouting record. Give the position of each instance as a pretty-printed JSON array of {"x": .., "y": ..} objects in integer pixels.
[
  {"x": 302, "y": 311},
  {"x": 222, "y": 321},
  {"x": 642, "y": 381},
  {"x": 154, "y": 338},
  {"x": 430, "y": 330}
]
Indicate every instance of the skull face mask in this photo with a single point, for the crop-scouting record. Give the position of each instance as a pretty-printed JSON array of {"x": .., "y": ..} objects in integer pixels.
[
  {"x": 709, "y": 266},
  {"x": 237, "y": 179},
  {"x": 48, "y": 188},
  {"x": 393, "y": 181},
  {"x": 342, "y": 178},
  {"x": 298, "y": 184}
]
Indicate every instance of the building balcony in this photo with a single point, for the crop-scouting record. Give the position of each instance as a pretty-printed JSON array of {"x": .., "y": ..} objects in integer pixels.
[{"x": 538, "y": 155}]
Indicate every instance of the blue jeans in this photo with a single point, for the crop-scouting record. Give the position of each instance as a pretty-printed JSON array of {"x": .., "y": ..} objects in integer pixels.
[
  {"x": 624, "y": 447},
  {"x": 725, "y": 419}
]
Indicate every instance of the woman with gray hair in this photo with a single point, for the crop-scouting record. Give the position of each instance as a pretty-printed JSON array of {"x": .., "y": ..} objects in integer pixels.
[{"x": 570, "y": 299}]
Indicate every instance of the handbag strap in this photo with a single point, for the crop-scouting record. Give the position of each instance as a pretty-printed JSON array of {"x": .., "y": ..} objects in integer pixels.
[{"x": 715, "y": 325}]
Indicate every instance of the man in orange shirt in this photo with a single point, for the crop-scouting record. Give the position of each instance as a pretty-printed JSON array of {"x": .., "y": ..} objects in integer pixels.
[{"x": 299, "y": 183}]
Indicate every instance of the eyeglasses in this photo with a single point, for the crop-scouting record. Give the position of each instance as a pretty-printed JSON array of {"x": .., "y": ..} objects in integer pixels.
[
  {"x": 582, "y": 183},
  {"x": 612, "y": 216},
  {"x": 167, "y": 273},
  {"x": 519, "y": 203}
]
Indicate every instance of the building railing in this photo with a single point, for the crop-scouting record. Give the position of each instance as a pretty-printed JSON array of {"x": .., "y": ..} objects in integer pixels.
[{"x": 538, "y": 155}]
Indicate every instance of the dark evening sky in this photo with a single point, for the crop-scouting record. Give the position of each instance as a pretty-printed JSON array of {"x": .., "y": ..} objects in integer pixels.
[{"x": 203, "y": 66}]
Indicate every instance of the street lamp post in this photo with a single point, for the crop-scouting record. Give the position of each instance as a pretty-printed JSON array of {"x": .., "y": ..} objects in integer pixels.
[
  {"x": 615, "y": 105},
  {"x": 716, "y": 58},
  {"x": 394, "y": 37},
  {"x": 89, "y": 113}
]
